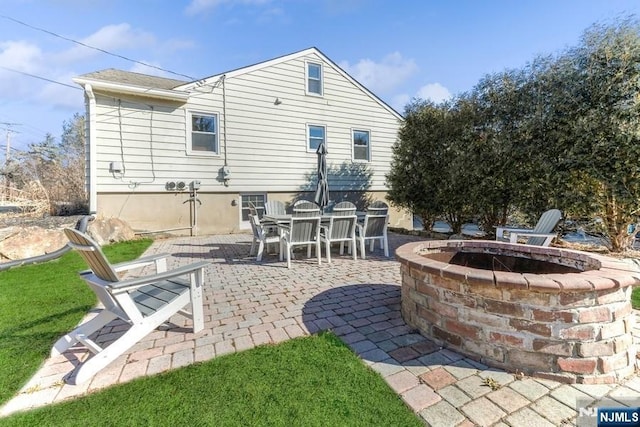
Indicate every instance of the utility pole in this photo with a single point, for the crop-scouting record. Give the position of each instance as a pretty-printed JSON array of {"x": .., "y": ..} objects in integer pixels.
[{"x": 8, "y": 157}]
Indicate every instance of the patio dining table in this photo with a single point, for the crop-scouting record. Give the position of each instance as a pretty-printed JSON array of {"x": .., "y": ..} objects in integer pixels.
[{"x": 285, "y": 219}]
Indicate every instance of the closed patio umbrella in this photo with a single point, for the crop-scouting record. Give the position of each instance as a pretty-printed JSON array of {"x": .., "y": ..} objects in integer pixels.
[{"x": 322, "y": 192}]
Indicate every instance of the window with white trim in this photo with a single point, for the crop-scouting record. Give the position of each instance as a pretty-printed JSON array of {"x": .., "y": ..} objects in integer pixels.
[
  {"x": 315, "y": 135},
  {"x": 314, "y": 78},
  {"x": 361, "y": 145},
  {"x": 202, "y": 133},
  {"x": 257, "y": 200}
]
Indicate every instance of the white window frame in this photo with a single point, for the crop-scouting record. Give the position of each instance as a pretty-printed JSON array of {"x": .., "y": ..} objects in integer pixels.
[
  {"x": 189, "y": 121},
  {"x": 307, "y": 78},
  {"x": 353, "y": 145},
  {"x": 308, "y": 136},
  {"x": 245, "y": 225}
]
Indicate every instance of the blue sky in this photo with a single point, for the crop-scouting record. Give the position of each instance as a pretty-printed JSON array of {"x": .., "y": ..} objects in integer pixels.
[{"x": 399, "y": 49}]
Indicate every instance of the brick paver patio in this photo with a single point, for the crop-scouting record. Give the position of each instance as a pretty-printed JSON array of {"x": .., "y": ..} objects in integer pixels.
[{"x": 248, "y": 304}]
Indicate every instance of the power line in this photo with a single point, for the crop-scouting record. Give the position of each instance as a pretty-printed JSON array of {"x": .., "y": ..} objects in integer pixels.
[
  {"x": 40, "y": 77},
  {"x": 93, "y": 47}
]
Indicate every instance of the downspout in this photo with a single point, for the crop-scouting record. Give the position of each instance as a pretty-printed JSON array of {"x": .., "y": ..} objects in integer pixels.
[
  {"x": 224, "y": 114},
  {"x": 93, "y": 161}
]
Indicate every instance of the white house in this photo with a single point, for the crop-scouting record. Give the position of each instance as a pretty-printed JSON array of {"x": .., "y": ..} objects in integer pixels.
[{"x": 187, "y": 157}]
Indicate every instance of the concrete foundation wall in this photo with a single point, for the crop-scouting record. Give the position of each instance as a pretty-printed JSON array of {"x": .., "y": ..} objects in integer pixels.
[{"x": 218, "y": 213}]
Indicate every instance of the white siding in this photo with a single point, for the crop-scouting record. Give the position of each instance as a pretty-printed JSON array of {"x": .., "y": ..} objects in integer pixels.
[{"x": 265, "y": 144}]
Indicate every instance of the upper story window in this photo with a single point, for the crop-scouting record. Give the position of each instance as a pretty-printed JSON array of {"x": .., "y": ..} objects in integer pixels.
[
  {"x": 202, "y": 134},
  {"x": 315, "y": 135},
  {"x": 314, "y": 78},
  {"x": 361, "y": 146}
]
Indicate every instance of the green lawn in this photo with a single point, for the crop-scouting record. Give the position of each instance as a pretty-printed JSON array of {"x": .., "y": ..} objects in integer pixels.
[
  {"x": 635, "y": 298},
  {"x": 40, "y": 303},
  {"x": 310, "y": 381}
]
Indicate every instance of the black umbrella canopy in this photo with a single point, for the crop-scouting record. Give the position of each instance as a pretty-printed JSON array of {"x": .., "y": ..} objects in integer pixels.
[{"x": 322, "y": 191}]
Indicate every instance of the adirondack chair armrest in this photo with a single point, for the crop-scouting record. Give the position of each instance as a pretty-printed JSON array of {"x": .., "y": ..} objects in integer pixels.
[
  {"x": 500, "y": 230},
  {"x": 135, "y": 282},
  {"x": 513, "y": 237},
  {"x": 140, "y": 262}
]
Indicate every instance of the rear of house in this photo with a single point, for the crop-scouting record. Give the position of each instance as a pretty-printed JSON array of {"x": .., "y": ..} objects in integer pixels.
[{"x": 188, "y": 157}]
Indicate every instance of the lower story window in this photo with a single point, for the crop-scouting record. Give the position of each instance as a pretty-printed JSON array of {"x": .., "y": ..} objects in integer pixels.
[{"x": 257, "y": 200}]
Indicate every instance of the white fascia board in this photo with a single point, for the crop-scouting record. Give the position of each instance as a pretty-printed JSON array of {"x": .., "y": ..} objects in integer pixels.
[
  {"x": 170, "y": 95},
  {"x": 247, "y": 69},
  {"x": 312, "y": 50}
]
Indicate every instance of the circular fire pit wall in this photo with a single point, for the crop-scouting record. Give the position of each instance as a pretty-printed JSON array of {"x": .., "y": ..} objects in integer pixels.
[{"x": 547, "y": 312}]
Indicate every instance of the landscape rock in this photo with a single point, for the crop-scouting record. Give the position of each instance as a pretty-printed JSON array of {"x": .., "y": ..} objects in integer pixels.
[
  {"x": 26, "y": 237},
  {"x": 110, "y": 230},
  {"x": 26, "y": 242}
]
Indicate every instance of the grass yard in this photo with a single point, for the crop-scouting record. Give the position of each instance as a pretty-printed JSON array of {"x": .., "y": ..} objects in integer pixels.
[
  {"x": 309, "y": 381},
  {"x": 635, "y": 298},
  {"x": 40, "y": 303}
]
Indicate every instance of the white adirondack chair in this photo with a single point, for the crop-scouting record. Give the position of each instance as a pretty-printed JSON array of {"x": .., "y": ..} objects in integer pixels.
[
  {"x": 143, "y": 302},
  {"x": 262, "y": 236},
  {"x": 303, "y": 230},
  {"x": 374, "y": 228},
  {"x": 541, "y": 235},
  {"x": 274, "y": 207},
  {"x": 341, "y": 228}
]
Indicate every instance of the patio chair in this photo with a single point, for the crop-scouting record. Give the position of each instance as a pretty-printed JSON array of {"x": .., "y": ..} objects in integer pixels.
[
  {"x": 274, "y": 207},
  {"x": 374, "y": 228},
  {"x": 541, "y": 235},
  {"x": 269, "y": 226},
  {"x": 341, "y": 228},
  {"x": 143, "y": 302},
  {"x": 306, "y": 208},
  {"x": 303, "y": 230},
  {"x": 378, "y": 208},
  {"x": 343, "y": 209},
  {"x": 262, "y": 236}
]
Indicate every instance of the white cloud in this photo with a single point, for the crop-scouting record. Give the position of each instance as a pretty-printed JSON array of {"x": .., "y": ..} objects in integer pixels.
[
  {"x": 398, "y": 102},
  {"x": 174, "y": 45},
  {"x": 383, "y": 76},
  {"x": 20, "y": 55},
  {"x": 62, "y": 97},
  {"x": 110, "y": 38},
  {"x": 17, "y": 57},
  {"x": 197, "y": 6},
  {"x": 434, "y": 92}
]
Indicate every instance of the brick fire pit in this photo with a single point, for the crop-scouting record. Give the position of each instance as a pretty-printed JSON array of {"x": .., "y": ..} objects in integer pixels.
[{"x": 547, "y": 312}]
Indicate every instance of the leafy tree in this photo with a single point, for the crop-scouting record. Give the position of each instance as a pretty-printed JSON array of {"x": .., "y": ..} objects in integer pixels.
[
  {"x": 417, "y": 160},
  {"x": 597, "y": 116},
  {"x": 429, "y": 168},
  {"x": 563, "y": 131}
]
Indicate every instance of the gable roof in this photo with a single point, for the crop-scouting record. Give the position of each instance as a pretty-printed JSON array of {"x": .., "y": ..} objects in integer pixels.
[
  {"x": 136, "y": 79},
  {"x": 129, "y": 82},
  {"x": 312, "y": 50}
]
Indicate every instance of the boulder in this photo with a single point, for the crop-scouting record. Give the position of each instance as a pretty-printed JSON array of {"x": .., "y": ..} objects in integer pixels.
[
  {"x": 110, "y": 230},
  {"x": 26, "y": 242}
]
